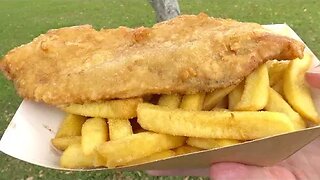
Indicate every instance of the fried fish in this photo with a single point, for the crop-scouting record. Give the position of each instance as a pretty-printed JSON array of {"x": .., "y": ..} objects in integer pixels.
[{"x": 187, "y": 54}]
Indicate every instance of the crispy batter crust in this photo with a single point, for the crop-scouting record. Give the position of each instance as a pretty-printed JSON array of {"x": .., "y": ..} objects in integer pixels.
[{"x": 188, "y": 54}]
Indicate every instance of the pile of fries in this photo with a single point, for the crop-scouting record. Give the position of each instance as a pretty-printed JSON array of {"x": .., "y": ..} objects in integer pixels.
[{"x": 273, "y": 99}]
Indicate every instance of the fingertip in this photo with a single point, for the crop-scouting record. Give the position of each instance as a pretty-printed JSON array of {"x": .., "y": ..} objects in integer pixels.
[
  {"x": 226, "y": 171},
  {"x": 278, "y": 172},
  {"x": 156, "y": 172},
  {"x": 313, "y": 79},
  {"x": 180, "y": 172}
]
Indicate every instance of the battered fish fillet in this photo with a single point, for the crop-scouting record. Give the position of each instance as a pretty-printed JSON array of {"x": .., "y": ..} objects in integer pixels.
[{"x": 188, "y": 54}]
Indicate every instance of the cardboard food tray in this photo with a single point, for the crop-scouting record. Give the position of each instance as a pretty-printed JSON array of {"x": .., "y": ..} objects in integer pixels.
[{"x": 33, "y": 126}]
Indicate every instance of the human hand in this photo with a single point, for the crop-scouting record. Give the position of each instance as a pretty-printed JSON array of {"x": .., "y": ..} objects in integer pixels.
[
  {"x": 313, "y": 77},
  {"x": 304, "y": 165}
]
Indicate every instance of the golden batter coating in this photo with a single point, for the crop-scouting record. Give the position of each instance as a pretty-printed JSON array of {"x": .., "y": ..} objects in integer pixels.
[{"x": 187, "y": 54}]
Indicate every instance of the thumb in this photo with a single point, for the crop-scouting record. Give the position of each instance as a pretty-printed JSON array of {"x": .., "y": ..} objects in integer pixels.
[
  {"x": 313, "y": 77},
  {"x": 229, "y": 171}
]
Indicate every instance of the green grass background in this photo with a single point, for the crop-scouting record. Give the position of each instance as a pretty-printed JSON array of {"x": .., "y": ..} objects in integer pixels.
[{"x": 23, "y": 20}]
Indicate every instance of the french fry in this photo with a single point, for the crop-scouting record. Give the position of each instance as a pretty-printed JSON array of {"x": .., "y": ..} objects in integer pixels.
[
  {"x": 153, "y": 157},
  {"x": 276, "y": 70},
  {"x": 94, "y": 133},
  {"x": 213, "y": 124},
  {"x": 119, "y": 128},
  {"x": 235, "y": 96},
  {"x": 213, "y": 98},
  {"x": 122, "y": 151},
  {"x": 171, "y": 101},
  {"x": 277, "y": 104},
  {"x": 220, "y": 110},
  {"x": 295, "y": 89},
  {"x": 192, "y": 101},
  {"x": 279, "y": 87},
  {"x": 63, "y": 142},
  {"x": 209, "y": 143},
  {"x": 71, "y": 126},
  {"x": 73, "y": 157},
  {"x": 255, "y": 93},
  {"x": 117, "y": 109},
  {"x": 186, "y": 149}
]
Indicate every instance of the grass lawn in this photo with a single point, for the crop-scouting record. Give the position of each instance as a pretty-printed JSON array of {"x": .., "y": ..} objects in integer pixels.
[{"x": 22, "y": 20}]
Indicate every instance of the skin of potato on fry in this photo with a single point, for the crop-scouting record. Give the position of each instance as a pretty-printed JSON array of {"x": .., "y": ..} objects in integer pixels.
[
  {"x": 73, "y": 157},
  {"x": 171, "y": 101},
  {"x": 213, "y": 98},
  {"x": 192, "y": 101},
  {"x": 256, "y": 89},
  {"x": 297, "y": 92},
  {"x": 117, "y": 109},
  {"x": 71, "y": 126},
  {"x": 94, "y": 133},
  {"x": 119, "y": 128},
  {"x": 122, "y": 151},
  {"x": 241, "y": 125},
  {"x": 209, "y": 143}
]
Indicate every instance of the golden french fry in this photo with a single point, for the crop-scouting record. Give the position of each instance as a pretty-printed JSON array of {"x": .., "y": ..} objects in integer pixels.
[
  {"x": 192, "y": 101},
  {"x": 171, "y": 101},
  {"x": 63, "y": 142},
  {"x": 73, "y": 157},
  {"x": 276, "y": 70},
  {"x": 119, "y": 128},
  {"x": 220, "y": 110},
  {"x": 223, "y": 104},
  {"x": 241, "y": 125},
  {"x": 185, "y": 149},
  {"x": 71, "y": 126},
  {"x": 277, "y": 104},
  {"x": 209, "y": 143},
  {"x": 153, "y": 157},
  {"x": 122, "y": 151},
  {"x": 235, "y": 96},
  {"x": 213, "y": 98},
  {"x": 255, "y": 93},
  {"x": 117, "y": 109},
  {"x": 94, "y": 133},
  {"x": 296, "y": 91},
  {"x": 279, "y": 87}
]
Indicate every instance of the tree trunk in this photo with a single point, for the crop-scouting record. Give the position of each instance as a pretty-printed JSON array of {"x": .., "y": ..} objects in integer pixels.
[{"x": 165, "y": 9}]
